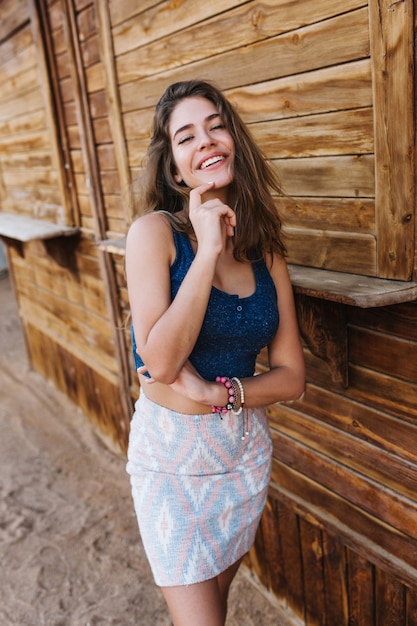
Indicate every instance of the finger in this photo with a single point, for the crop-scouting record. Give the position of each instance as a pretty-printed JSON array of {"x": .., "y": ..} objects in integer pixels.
[
  {"x": 144, "y": 371},
  {"x": 197, "y": 193}
]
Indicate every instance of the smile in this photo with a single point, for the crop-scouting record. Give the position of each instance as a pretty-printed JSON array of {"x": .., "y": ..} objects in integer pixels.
[{"x": 211, "y": 161}]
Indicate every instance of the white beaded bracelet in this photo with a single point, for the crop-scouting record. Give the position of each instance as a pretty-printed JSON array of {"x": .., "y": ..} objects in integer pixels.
[{"x": 242, "y": 396}]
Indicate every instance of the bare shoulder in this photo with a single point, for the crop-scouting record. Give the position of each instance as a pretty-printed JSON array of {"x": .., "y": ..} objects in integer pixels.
[
  {"x": 151, "y": 224},
  {"x": 151, "y": 233},
  {"x": 278, "y": 269}
]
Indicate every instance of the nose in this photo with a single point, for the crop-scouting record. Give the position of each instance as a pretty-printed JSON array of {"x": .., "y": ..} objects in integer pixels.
[{"x": 205, "y": 139}]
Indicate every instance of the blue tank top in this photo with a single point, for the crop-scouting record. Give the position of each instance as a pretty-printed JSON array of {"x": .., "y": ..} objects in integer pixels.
[{"x": 234, "y": 329}]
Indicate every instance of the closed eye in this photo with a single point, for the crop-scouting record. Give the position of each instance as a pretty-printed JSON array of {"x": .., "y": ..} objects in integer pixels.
[{"x": 184, "y": 139}]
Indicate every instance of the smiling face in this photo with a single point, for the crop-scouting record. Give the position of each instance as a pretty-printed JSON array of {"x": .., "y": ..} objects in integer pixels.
[{"x": 202, "y": 148}]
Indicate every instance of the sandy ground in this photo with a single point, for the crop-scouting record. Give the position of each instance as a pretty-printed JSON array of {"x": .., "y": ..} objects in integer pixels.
[{"x": 70, "y": 550}]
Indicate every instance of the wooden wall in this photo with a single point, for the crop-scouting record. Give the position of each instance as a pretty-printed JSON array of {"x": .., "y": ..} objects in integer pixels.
[
  {"x": 327, "y": 88},
  {"x": 64, "y": 286}
]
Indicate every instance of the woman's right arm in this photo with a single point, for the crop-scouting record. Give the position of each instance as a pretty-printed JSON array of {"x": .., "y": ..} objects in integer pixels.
[{"x": 165, "y": 332}]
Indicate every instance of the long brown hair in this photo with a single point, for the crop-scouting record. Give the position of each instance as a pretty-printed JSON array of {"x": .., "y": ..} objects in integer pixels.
[{"x": 258, "y": 230}]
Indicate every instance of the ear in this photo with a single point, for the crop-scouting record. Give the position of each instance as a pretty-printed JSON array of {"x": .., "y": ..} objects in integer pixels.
[{"x": 177, "y": 178}]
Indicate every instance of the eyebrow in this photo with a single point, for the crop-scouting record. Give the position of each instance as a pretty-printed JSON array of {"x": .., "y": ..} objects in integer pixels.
[{"x": 188, "y": 126}]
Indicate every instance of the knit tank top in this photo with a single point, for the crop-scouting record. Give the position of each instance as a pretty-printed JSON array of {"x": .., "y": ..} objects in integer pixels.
[{"x": 234, "y": 329}]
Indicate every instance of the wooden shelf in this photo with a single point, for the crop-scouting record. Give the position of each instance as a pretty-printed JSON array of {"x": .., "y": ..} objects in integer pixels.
[
  {"x": 113, "y": 246},
  {"x": 352, "y": 289},
  {"x": 22, "y": 228}
]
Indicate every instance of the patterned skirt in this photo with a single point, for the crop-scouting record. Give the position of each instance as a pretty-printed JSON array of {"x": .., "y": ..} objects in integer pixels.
[{"x": 198, "y": 488}]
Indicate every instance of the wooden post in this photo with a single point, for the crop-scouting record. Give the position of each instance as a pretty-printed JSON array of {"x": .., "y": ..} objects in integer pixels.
[
  {"x": 112, "y": 96},
  {"x": 96, "y": 198},
  {"x": 391, "y": 33},
  {"x": 54, "y": 112}
]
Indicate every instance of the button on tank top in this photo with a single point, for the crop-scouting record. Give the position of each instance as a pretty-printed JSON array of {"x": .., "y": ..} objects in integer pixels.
[{"x": 234, "y": 329}]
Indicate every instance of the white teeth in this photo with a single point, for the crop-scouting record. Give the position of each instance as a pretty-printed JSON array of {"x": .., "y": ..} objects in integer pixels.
[{"x": 211, "y": 161}]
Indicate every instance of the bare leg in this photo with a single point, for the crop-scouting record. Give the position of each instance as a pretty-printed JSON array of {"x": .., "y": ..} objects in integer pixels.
[
  {"x": 196, "y": 604},
  {"x": 202, "y": 604},
  {"x": 224, "y": 581}
]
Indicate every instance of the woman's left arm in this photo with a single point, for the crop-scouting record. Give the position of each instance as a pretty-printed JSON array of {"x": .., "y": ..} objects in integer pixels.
[{"x": 285, "y": 379}]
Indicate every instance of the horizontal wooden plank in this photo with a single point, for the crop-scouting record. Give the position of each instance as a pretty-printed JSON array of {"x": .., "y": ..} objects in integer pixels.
[
  {"x": 138, "y": 124},
  {"x": 17, "y": 86},
  {"x": 25, "y": 228},
  {"x": 63, "y": 65},
  {"x": 15, "y": 41},
  {"x": 362, "y": 421},
  {"x": 110, "y": 185},
  {"x": 23, "y": 61},
  {"x": 27, "y": 161},
  {"x": 389, "y": 355},
  {"x": 347, "y": 86},
  {"x": 90, "y": 51},
  {"x": 327, "y": 250},
  {"x": 398, "y": 320},
  {"x": 122, "y": 10},
  {"x": 384, "y": 392},
  {"x": 355, "y": 215},
  {"x": 30, "y": 102},
  {"x": 74, "y": 139},
  {"x": 87, "y": 23},
  {"x": 338, "y": 133},
  {"x": 25, "y": 142},
  {"x": 95, "y": 77},
  {"x": 335, "y": 176},
  {"x": 355, "y": 290},
  {"x": 33, "y": 122},
  {"x": 38, "y": 176},
  {"x": 59, "y": 40},
  {"x": 56, "y": 17},
  {"x": 14, "y": 16},
  {"x": 70, "y": 113},
  {"x": 41, "y": 198},
  {"x": 114, "y": 206},
  {"x": 102, "y": 130}
]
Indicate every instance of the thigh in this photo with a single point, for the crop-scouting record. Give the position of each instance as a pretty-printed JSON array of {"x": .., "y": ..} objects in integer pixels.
[
  {"x": 200, "y": 604},
  {"x": 225, "y": 579}
]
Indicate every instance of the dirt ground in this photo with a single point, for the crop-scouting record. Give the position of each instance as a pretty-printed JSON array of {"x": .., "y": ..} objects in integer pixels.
[{"x": 70, "y": 550}]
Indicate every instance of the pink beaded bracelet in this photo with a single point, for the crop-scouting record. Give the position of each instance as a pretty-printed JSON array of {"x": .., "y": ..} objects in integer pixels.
[{"x": 232, "y": 400}]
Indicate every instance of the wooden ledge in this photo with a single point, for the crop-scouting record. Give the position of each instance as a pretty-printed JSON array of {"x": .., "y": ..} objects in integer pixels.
[
  {"x": 352, "y": 289},
  {"x": 22, "y": 228},
  {"x": 113, "y": 246}
]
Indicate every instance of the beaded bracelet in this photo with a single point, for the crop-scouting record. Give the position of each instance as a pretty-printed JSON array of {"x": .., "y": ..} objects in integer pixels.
[
  {"x": 242, "y": 396},
  {"x": 232, "y": 400}
]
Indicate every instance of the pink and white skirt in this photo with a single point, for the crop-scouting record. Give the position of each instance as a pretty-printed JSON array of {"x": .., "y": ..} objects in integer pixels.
[{"x": 198, "y": 489}]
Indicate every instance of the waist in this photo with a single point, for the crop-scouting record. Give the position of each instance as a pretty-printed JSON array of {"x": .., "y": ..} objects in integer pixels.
[{"x": 166, "y": 397}]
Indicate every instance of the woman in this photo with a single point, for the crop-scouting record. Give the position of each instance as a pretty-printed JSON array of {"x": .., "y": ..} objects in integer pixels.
[{"x": 208, "y": 289}]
